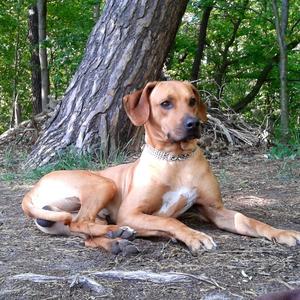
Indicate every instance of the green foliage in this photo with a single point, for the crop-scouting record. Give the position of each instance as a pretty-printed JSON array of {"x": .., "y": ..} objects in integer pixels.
[
  {"x": 290, "y": 151},
  {"x": 69, "y": 25},
  {"x": 13, "y": 20},
  {"x": 280, "y": 151}
]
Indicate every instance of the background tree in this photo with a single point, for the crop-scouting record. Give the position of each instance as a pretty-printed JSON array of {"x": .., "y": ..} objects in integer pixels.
[
  {"x": 69, "y": 24},
  {"x": 14, "y": 84},
  {"x": 16, "y": 110},
  {"x": 281, "y": 28},
  {"x": 207, "y": 8},
  {"x": 33, "y": 36},
  {"x": 224, "y": 60},
  {"x": 126, "y": 48},
  {"x": 42, "y": 30}
]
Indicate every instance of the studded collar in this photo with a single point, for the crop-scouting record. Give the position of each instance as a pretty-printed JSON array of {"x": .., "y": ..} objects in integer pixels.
[{"x": 167, "y": 156}]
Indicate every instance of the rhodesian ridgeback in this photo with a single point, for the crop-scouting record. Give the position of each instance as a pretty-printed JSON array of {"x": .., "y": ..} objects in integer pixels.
[{"x": 147, "y": 195}]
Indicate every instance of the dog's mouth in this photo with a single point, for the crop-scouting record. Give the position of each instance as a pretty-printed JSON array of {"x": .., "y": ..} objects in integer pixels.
[{"x": 188, "y": 135}]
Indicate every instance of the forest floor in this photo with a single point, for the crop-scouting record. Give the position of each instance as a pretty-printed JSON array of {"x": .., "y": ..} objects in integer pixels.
[{"x": 240, "y": 268}]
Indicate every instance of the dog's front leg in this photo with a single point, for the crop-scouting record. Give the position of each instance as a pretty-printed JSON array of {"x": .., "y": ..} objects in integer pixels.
[
  {"x": 150, "y": 225},
  {"x": 238, "y": 223}
]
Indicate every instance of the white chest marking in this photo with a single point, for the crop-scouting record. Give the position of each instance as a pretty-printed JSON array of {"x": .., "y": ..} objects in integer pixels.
[{"x": 171, "y": 198}]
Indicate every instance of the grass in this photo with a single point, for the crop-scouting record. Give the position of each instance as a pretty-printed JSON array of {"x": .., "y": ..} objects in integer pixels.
[
  {"x": 69, "y": 159},
  {"x": 290, "y": 151},
  {"x": 11, "y": 159},
  {"x": 281, "y": 151},
  {"x": 288, "y": 155}
]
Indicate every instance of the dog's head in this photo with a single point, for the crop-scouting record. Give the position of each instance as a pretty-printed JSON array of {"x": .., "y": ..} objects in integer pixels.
[{"x": 170, "y": 110}]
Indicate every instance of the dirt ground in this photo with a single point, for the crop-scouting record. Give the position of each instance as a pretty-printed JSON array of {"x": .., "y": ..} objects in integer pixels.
[{"x": 240, "y": 268}]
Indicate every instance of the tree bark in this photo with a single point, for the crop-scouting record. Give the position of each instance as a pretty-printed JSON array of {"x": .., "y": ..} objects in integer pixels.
[
  {"x": 33, "y": 36},
  {"x": 281, "y": 26},
  {"x": 126, "y": 49},
  {"x": 201, "y": 42},
  {"x": 263, "y": 76},
  {"x": 42, "y": 13}
]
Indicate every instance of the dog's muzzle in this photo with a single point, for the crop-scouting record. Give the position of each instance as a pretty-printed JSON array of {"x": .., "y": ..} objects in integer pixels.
[
  {"x": 189, "y": 130},
  {"x": 192, "y": 128}
]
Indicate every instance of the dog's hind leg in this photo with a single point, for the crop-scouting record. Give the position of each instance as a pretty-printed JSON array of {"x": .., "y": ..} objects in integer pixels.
[
  {"x": 94, "y": 198},
  {"x": 55, "y": 227}
]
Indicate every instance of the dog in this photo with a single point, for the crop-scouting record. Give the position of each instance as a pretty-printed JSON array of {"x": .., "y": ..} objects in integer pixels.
[{"x": 144, "y": 198}]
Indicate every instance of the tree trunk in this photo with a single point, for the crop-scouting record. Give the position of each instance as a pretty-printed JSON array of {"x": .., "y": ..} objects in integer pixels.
[
  {"x": 33, "y": 36},
  {"x": 126, "y": 49},
  {"x": 201, "y": 42},
  {"x": 42, "y": 13},
  {"x": 281, "y": 26}
]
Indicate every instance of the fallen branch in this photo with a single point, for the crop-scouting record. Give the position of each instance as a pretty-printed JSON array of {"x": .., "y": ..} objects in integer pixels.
[
  {"x": 218, "y": 123},
  {"x": 90, "y": 284}
]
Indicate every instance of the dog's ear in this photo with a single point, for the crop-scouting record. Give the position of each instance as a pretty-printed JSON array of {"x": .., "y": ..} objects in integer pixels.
[
  {"x": 202, "y": 113},
  {"x": 137, "y": 104}
]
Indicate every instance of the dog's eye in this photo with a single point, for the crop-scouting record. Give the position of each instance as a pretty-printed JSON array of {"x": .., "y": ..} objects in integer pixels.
[
  {"x": 166, "y": 104},
  {"x": 192, "y": 102}
]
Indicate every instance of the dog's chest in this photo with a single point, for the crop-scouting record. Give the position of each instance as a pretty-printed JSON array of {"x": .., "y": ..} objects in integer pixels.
[{"x": 176, "y": 202}]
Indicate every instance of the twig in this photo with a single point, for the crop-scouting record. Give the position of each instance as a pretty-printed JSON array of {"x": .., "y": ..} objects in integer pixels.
[
  {"x": 285, "y": 284},
  {"x": 224, "y": 129}
]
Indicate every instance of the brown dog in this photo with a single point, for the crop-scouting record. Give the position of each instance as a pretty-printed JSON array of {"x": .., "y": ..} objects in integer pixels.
[{"x": 149, "y": 194}]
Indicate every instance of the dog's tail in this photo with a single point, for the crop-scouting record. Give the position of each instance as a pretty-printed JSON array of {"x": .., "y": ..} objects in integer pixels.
[{"x": 44, "y": 213}]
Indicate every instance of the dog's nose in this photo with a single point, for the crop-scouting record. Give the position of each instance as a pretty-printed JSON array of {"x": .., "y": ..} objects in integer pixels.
[{"x": 191, "y": 123}]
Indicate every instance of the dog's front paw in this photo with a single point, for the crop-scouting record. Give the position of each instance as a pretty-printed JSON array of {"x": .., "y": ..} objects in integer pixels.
[
  {"x": 124, "y": 232},
  {"x": 286, "y": 237},
  {"x": 124, "y": 247},
  {"x": 199, "y": 240}
]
